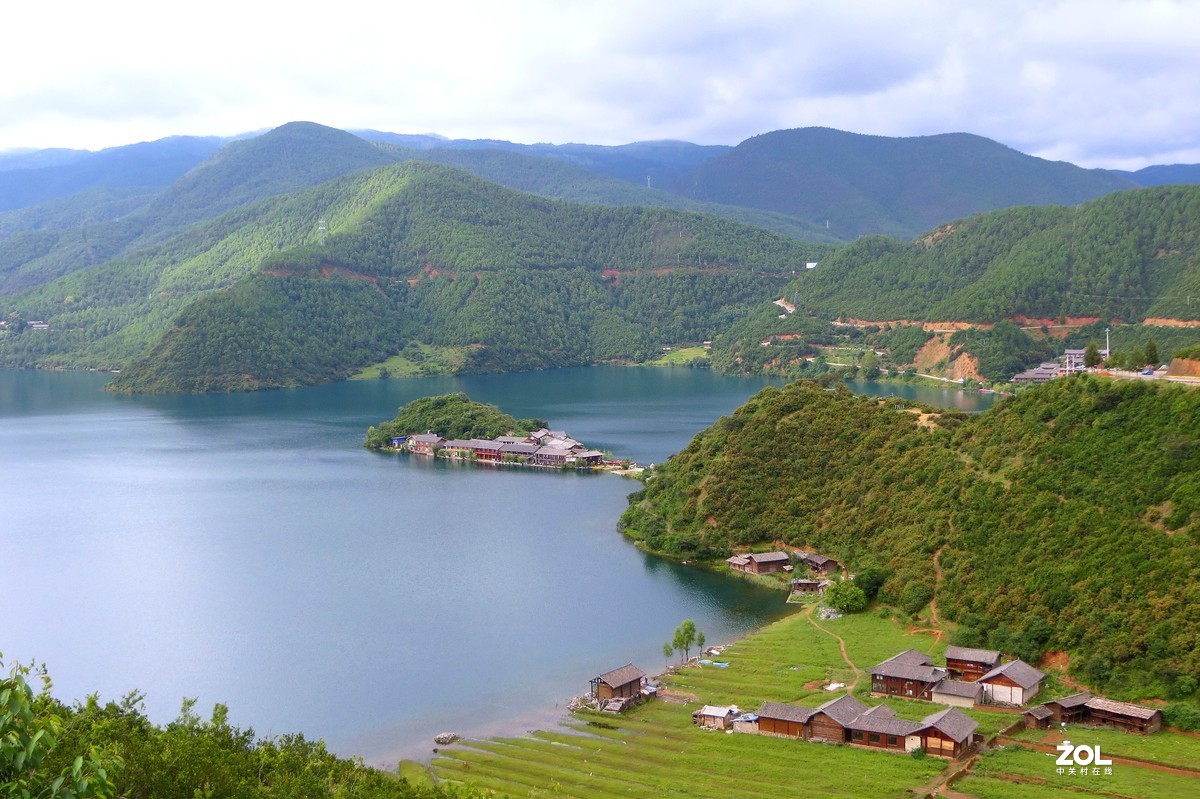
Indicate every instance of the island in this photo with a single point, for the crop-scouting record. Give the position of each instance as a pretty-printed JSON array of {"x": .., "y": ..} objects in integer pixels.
[{"x": 455, "y": 426}]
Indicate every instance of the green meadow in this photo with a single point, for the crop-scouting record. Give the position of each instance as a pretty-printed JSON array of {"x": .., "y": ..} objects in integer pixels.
[{"x": 655, "y": 749}]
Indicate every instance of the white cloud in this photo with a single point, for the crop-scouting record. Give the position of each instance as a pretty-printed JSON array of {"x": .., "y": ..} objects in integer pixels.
[{"x": 1099, "y": 83}]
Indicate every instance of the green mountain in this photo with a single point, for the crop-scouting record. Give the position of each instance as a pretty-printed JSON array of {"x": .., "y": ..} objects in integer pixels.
[
  {"x": 287, "y": 159},
  {"x": 1066, "y": 518},
  {"x": 1129, "y": 256},
  {"x": 52, "y": 174},
  {"x": 414, "y": 252},
  {"x": 897, "y": 186}
]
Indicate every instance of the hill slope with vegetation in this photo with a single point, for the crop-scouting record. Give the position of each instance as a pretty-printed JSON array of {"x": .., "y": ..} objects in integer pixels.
[
  {"x": 422, "y": 253},
  {"x": 1128, "y": 256},
  {"x": 1066, "y": 518},
  {"x": 896, "y": 186}
]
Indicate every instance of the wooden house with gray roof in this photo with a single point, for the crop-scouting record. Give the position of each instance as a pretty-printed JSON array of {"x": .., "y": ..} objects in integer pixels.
[
  {"x": 619, "y": 683},
  {"x": 783, "y": 720},
  {"x": 957, "y": 693},
  {"x": 968, "y": 665},
  {"x": 947, "y": 733},
  {"x": 1013, "y": 683},
  {"x": 1123, "y": 716},
  {"x": 910, "y": 674},
  {"x": 880, "y": 729}
]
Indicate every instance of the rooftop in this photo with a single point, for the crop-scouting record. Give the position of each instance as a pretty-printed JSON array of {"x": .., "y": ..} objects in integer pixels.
[
  {"x": 1018, "y": 671},
  {"x": 626, "y": 674}
]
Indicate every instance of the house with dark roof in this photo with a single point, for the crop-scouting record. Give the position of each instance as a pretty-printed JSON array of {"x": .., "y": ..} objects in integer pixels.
[
  {"x": 425, "y": 443},
  {"x": 909, "y": 674},
  {"x": 1013, "y": 683},
  {"x": 806, "y": 586},
  {"x": 968, "y": 664},
  {"x": 820, "y": 563},
  {"x": 879, "y": 728},
  {"x": 957, "y": 693},
  {"x": 760, "y": 562},
  {"x": 1123, "y": 716},
  {"x": 784, "y": 720},
  {"x": 947, "y": 733},
  {"x": 716, "y": 717},
  {"x": 830, "y": 721},
  {"x": 1068, "y": 709},
  {"x": 618, "y": 683}
]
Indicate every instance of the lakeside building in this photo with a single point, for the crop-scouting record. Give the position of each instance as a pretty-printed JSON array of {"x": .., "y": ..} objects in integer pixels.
[
  {"x": 760, "y": 562},
  {"x": 545, "y": 448},
  {"x": 911, "y": 674},
  {"x": 620, "y": 683},
  {"x": 947, "y": 733},
  {"x": 1083, "y": 708}
]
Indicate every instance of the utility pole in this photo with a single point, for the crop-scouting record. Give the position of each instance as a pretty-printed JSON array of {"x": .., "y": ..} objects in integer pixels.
[{"x": 1107, "y": 345}]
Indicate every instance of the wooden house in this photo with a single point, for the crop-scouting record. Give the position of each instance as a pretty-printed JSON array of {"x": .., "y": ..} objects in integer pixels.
[
  {"x": 768, "y": 562},
  {"x": 518, "y": 450},
  {"x": 803, "y": 586},
  {"x": 551, "y": 456},
  {"x": 1013, "y": 683},
  {"x": 739, "y": 563},
  {"x": 592, "y": 457},
  {"x": 619, "y": 683},
  {"x": 783, "y": 720},
  {"x": 716, "y": 717},
  {"x": 947, "y": 733},
  {"x": 957, "y": 693},
  {"x": 1037, "y": 718},
  {"x": 880, "y": 729},
  {"x": 831, "y": 721},
  {"x": 821, "y": 564},
  {"x": 968, "y": 664},
  {"x": 457, "y": 448},
  {"x": 1123, "y": 716},
  {"x": 1067, "y": 710},
  {"x": 909, "y": 674}
]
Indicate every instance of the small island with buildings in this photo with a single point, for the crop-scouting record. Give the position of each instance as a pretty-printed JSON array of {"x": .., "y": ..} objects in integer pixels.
[{"x": 454, "y": 426}]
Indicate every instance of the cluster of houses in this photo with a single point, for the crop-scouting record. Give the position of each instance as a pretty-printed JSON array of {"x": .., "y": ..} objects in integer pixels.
[
  {"x": 845, "y": 720},
  {"x": 769, "y": 562},
  {"x": 1083, "y": 708},
  {"x": 970, "y": 677},
  {"x": 546, "y": 448},
  {"x": 1072, "y": 362}
]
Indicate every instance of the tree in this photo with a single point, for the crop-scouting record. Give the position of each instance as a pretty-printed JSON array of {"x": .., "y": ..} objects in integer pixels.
[
  {"x": 1152, "y": 356},
  {"x": 668, "y": 650},
  {"x": 27, "y": 736},
  {"x": 871, "y": 579},
  {"x": 1091, "y": 356},
  {"x": 685, "y": 638},
  {"x": 700, "y": 641},
  {"x": 845, "y": 596}
]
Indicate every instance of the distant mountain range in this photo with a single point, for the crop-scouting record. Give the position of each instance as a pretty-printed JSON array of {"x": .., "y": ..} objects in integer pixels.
[{"x": 179, "y": 237}]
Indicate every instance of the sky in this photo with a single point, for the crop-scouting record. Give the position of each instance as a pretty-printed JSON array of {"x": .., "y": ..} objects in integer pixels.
[{"x": 1099, "y": 83}]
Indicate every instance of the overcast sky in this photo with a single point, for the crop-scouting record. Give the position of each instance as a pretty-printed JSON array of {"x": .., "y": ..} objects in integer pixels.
[{"x": 1096, "y": 82}]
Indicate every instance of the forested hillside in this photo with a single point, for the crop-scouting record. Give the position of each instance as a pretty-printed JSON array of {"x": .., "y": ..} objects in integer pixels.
[
  {"x": 420, "y": 252},
  {"x": 1067, "y": 518},
  {"x": 1126, "y": 256},
  {"x": 895, "y": 186}
]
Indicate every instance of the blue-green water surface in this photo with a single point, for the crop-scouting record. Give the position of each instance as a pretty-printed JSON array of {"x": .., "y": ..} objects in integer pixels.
[{"x": 245, "y": 549}]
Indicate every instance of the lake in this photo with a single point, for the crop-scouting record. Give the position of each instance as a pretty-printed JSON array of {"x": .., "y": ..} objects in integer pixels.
[{"x": 245, "y": 549}]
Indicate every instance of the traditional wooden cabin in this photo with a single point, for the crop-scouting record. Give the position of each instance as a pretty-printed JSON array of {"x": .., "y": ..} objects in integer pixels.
[
  {"x": 518, "y": 450},
  {"x": 739, "y": 563},
  {"x": 1037, "y": 718},
  {"x": 783, "y": 720},
  {"x": 768, "y": 562},
  {"x": 592, "y": 457},
  {"x": 1069, "y": 709},
  {"x": 716, "y": 717},
  {"x": 879, "y": 728},
  {"x": 957, "y": 693},
  {"x": 802, "y": 586},
  {"x": 947, "y": 733},
  {"x": 909, "y": 674},
  {"x": 830, "y": 721},
  {"x": 619, "y": 683},
  {"x": 968, "y": 664},
  {"x": 820, "y": 563},
  {"x": 551, "y": 456},
  {"x": 1013, "y": 683},
  {"x": 1124, "y": 716}
]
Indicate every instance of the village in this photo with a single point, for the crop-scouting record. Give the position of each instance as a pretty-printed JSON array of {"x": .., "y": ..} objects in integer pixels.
[
  {"x": 967, "y": 679},
  {"x": 546, "y": 449}
]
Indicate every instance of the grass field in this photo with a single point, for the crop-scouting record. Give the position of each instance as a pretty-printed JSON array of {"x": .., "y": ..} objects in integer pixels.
[
  {"x": 425, "y": 361},
  {"x": 655, "y": 749},
  {"x": 1007, "y": 772},
  {"x": 1169, "y": 749},
  {"x": 681, "y": 356}
]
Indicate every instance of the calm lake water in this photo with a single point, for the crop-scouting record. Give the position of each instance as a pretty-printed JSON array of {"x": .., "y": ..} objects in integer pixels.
[{"x": 245, "y": 549}]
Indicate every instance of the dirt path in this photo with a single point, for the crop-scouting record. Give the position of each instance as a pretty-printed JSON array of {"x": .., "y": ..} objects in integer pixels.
[
  {"x": 841, "y": 645},
  {"x": 935, "y": 620}
]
